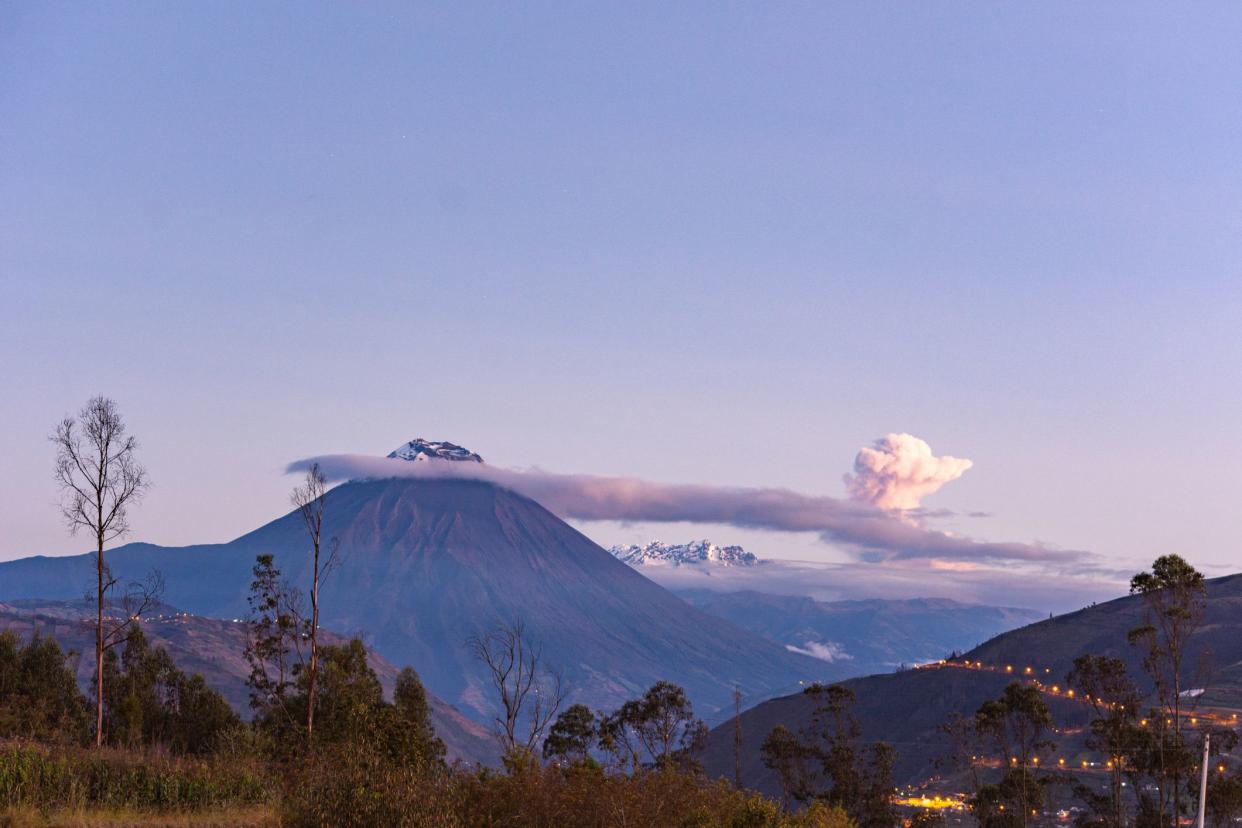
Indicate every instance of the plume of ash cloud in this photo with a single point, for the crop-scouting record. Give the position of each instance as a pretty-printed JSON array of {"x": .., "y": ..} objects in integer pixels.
[
  {"x": 870, "y": 533},
  {"x": 899, "y": 470}
]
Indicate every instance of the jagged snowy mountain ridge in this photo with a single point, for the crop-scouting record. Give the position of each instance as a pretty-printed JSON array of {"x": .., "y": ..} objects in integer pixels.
[{"x": 695, "y": 552}]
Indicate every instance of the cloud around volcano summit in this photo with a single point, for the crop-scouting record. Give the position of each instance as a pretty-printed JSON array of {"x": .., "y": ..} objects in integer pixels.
[{"x": 867, "y": 531}]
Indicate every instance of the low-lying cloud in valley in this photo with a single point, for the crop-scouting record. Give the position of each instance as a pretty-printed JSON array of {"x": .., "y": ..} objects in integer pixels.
[{"x": 829, "y": 651}]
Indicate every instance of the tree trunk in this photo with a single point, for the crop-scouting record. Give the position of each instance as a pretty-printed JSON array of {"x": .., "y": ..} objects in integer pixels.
[
  {"x": 1175, "y": 653},
  {"x": 314, "y": 646},
  {"x": 99, "y": 644}
]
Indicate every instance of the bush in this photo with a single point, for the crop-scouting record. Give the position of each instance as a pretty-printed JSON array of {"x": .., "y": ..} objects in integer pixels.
[{"x": 355, "y": 790}]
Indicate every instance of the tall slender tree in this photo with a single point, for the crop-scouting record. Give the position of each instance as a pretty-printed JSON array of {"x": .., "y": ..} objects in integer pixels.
[
  {"x": 1175, "y": 598},
  {"x": 1018, "y": 723},
  {"x": 310, "y": 499},
  {"x": 276, "y": 631},
  {"x": 1115, "y": 730},
  {"x": 99, "y": 477}
]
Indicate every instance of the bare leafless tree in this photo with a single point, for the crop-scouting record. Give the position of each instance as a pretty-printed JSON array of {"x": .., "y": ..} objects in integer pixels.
[
  {"x": 310, "y": 499},
  {"x": 100, "y": 478},
  {"x": 530, "y": 693}
]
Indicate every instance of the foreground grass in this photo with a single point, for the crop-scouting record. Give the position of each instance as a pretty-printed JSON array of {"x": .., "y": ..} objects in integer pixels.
[
  {"x": 344, "y": 787},
  {"x": 74, "y": 787},
  {"x": 260, "y": 817}
]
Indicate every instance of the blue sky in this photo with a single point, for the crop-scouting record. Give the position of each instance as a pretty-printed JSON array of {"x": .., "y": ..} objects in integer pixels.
[{"x": 703, "y": 243}]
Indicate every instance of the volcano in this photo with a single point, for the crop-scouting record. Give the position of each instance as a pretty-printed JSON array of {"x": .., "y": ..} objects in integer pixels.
[{"x": 428, "y": 562}]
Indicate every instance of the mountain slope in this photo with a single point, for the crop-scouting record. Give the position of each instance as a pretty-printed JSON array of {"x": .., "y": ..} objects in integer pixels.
[
  {"x": 907, "y": 708},
  {"x": 214, "y": 648},
  {"x": 429, "y": 562}
]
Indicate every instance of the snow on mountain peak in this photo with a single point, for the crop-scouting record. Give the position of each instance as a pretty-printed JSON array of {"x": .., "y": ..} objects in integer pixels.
[
  {"x": 421, "y": 450},
  {"x": 695, "y": 552}
]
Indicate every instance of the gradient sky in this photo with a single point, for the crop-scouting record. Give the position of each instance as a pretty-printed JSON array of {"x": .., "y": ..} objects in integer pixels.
[{"x": 703, "y": 243}]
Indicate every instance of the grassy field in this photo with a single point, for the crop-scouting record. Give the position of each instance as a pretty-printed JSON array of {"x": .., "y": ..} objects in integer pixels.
[{"x": 261, "y": 817}]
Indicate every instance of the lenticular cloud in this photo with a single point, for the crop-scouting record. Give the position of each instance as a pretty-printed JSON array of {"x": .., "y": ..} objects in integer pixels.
[
  {"x": 870, "y": 533},
  {"x": 898, "y": 471}
]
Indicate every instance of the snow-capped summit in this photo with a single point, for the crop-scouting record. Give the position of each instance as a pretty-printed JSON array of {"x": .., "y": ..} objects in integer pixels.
[
  {"x": 694, "y": 552},
  {"x": 420, "y": 449}
]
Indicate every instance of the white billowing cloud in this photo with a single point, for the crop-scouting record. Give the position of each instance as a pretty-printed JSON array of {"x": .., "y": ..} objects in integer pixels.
[{"x": 898, "y": 471}]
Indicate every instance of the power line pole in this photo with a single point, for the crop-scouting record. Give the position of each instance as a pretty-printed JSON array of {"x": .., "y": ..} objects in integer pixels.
[{"x": 1203, "y": 780}]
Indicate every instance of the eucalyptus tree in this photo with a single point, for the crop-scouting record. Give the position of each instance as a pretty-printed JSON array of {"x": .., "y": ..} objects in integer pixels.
[
  {"x": 311, "y": 498},
  {"x": 1175, "y": 599},
  {"x": 100, "y": 478}
]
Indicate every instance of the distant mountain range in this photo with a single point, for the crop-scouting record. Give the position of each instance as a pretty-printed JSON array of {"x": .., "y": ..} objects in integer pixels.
[
  {"x": 429, "y": 562},
  {"x": 658, "y": 553},
  {"x": 862, "y": 637},
  {"x": 215, "y": 648},
  {"x": 908, "y": 707}
]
